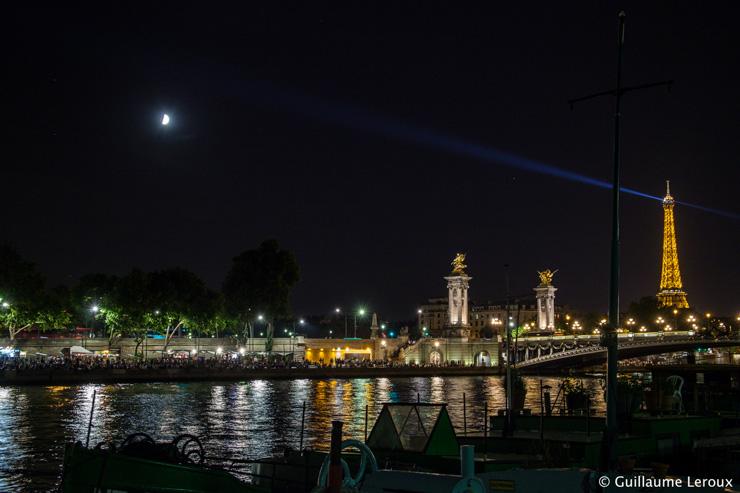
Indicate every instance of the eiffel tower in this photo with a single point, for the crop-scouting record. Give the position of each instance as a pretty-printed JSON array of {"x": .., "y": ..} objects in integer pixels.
[{"x": 671, "y": 289}]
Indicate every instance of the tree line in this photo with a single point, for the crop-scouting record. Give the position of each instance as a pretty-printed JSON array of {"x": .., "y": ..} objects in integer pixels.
[{"x": 164, "y": 301}]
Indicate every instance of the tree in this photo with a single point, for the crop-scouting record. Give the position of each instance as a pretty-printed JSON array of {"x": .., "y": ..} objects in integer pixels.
[
  {"x": 131, "y": 300},
  {"x": 261, "y": 280},
  {"x": 92, "y": 298},
  {"x": 645, "y": 309},
  {"x": 175, "y": 295},
  {"x": 21, "y": 292},
  {"x": 208, "y": 315}
]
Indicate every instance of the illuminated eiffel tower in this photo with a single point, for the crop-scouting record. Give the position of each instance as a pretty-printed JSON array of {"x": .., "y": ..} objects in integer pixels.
[{"x": 671, "y": 288}]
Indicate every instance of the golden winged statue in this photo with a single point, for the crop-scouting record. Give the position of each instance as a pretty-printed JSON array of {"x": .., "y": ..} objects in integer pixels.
[
  {"x": 546, "y": 277},
  {"x": 458, "y": 264}
]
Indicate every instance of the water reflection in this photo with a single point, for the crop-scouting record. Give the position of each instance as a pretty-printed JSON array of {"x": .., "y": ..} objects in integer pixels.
[{"x": 234, "y": 420}]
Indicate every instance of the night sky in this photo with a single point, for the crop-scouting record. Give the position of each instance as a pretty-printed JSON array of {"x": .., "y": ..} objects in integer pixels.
[{"x": 307, "y": 124}]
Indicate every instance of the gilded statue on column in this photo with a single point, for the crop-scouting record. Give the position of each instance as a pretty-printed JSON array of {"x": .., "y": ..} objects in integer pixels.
[
  {"x": 546, "y": 277},
  {"x": 458, "y": 265}
]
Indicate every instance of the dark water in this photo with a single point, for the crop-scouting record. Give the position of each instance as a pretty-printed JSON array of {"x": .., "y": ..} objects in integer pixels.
[{"x": 238, "y": 420}]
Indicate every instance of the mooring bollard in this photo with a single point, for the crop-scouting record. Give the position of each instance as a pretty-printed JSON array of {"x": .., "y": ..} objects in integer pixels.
[{"x": 335, "y": 458}]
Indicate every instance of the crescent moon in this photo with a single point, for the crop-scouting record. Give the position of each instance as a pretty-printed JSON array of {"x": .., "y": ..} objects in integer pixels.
[{"x": 165, "y": 119}]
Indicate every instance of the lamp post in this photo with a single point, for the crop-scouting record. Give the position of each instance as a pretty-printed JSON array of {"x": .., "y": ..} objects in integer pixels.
[
  {"x": 94, "y": 310},
  {"x": 418, "y": 323},
  {"x": 361, "y": 313},
  {"x": 338, "y": 310}
]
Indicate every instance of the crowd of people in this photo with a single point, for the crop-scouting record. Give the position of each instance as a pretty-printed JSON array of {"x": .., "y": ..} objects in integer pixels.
[{"x": 216, "y": 363}]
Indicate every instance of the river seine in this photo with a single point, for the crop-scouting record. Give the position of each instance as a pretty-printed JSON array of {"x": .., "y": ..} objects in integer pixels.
[{"x": 250, "y": 419}]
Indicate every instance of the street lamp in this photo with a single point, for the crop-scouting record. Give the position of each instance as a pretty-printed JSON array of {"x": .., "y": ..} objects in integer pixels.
[
  {"x": 338, "y": 310},
  {"x": 361, "y": 313}
]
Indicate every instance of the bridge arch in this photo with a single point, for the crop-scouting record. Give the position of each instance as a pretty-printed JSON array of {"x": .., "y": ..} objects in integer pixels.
[{"x": 482, "y": 358}]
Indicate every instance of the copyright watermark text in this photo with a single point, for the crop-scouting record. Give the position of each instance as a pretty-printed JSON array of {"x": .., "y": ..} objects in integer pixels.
[{"x": 651, "y": 482}]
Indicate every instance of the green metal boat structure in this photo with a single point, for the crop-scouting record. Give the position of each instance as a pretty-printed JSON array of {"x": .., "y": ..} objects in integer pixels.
[
  {"x": 414, "y": 448},
  {"x": 142, "y": 465}
]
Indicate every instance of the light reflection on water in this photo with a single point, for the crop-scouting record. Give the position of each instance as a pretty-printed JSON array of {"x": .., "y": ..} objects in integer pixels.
[{"x": 234, "y": 419}]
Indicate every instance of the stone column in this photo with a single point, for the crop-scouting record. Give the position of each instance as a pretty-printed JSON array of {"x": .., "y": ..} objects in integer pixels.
[{"x": 545, "y": 307}]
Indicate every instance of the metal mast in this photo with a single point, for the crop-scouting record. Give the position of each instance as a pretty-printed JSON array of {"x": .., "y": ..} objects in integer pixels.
[{"x": 609, "y": 337}]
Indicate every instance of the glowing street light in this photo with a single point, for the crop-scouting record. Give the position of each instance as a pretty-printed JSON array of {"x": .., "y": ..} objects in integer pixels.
[
  {"x": 260, "y": 317},
  {"x": 95, "y": 308},
  {"x": 361, "y": 313},
  {"x": 6, "y": 304}
]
